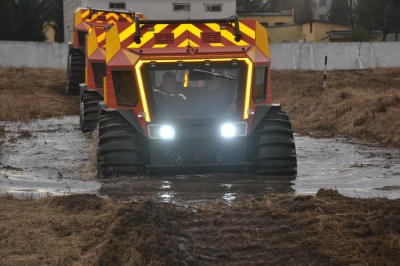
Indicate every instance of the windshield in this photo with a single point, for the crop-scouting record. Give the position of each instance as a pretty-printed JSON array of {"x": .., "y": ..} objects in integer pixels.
[{"x": 194, "y": 90}]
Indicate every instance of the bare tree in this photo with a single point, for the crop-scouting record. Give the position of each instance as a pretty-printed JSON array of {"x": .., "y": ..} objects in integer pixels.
[
  {"x": 379, "y": 15},
  {"x": 303, "y": 9},
  {"x": 341, "y": 11}
]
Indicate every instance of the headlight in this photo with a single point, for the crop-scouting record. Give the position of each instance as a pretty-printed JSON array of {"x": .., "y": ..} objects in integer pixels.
[
  {"x": 230, "y": 130},
  {"x": 167, "y": 132},
  {"x": 161, "y": 131}
]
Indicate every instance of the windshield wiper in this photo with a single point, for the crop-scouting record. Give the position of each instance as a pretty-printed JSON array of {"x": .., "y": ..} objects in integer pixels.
[{"x": 213, "y": 74}]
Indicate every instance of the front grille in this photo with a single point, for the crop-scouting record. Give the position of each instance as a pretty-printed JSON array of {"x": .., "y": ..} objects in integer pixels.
[
  {"x": 164, "y": 38},
  {"x": 211, "y": 37}
]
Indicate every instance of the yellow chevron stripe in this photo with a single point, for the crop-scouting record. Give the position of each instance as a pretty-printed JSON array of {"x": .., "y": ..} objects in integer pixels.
[
  {"x": 101, "y": 37},
  {"x": 112, "y": 15},
  {"x": 226, "y": 34},
  {"x": 216, "y": 44},
  {"x": 148, "y": 36},
  {"x": 95, "y": 16},
  {"x": 127, "y": 32},
  {"x": 159, "y": 45},
  {"x": 128, "y": 18},
  {"x": 188, "y": 27},
  {"x": 246, "y": 30},
  {"x": 84, "y": 14},
  {"x": 186, "y": 42}
]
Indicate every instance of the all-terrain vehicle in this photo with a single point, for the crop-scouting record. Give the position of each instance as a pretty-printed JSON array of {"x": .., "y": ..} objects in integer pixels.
[
  {"x": 91, "y": 88},
  {"x": 191, "y": 96}
]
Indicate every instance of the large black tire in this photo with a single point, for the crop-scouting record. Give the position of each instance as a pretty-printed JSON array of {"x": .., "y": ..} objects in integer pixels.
[
  {"x": 75, "y": 71},
  {"x": 274, "y": 150},
  {"x": 89, "y": 114},
  {"x": 120, "y": 150}
]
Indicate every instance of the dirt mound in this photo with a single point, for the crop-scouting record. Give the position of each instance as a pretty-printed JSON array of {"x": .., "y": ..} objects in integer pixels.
[
  {"x": 78, "y": 203},
  {"x": 329, "y": 229}
]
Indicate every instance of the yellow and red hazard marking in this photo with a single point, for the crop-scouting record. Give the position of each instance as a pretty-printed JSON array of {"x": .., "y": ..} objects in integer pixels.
[
  {"x": 86, "y": 19},
  {"x": 194, "y": 35}
]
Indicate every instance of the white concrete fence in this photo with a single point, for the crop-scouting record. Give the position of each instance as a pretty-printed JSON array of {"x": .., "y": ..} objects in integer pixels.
[
  {"x": 311, "y": 56},
  {"x": 284, "y": 56}
]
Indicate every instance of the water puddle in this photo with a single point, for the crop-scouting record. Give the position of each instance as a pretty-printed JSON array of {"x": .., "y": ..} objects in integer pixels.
[
  {"x": 52, "y": 157},
  {"x": 46, "y": 157},
  {"x": 354, "y": 169}
]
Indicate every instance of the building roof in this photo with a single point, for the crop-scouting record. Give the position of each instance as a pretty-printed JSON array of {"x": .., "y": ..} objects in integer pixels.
[
  {"x": 345, "y": 34},
  {"x": 254, "y": 13}
]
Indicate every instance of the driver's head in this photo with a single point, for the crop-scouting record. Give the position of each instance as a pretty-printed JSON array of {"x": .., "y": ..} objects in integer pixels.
[{"x": 169, "y": 82}]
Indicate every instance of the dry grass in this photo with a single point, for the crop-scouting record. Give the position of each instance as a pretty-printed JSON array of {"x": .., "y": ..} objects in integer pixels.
[
  {"x": 363, "y": 103},
  {"x": 52, "y": 231},
  {"x": 27, "y": 93},
  {"x": 328, "y": 229}
]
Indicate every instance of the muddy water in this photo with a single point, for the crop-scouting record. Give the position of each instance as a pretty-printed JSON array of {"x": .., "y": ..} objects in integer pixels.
[
  {"x": 46, "y": 157},
  {"x": 52, "y": 157}
]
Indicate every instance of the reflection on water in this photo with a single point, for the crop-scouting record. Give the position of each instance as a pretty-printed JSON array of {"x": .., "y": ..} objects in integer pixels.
[
  {"x": 355, "y": 170},
  {"x": 229, "y": 197},
  {"x": 46, "y": 157},
  {"x": 167, "y": 195}
]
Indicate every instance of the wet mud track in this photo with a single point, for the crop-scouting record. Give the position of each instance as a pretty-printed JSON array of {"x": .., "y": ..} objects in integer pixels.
[{"x": 52, "y": 157}]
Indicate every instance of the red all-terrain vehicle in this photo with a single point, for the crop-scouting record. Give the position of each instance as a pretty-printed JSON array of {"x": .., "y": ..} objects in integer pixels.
[{"x": 191, "y": 96}]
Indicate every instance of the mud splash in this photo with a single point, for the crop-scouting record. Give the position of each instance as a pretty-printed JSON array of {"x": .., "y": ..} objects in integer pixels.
[{"x": 52, "y": 157}]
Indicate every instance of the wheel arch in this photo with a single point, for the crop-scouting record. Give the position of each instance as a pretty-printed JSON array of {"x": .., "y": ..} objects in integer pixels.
[{"x": 261, "y": 112}]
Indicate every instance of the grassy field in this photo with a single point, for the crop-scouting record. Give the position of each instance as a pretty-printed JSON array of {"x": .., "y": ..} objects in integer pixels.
[{"x": 358, "y": 103}]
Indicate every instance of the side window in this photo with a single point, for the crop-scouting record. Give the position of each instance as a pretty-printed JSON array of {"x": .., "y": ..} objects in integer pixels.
[
  {"x": 125, "y": 87},
  {"x": 99, "y": 71},
  {"x": 117, "y": 5},
  {"x": 181, "y": 7},
  {"x": 322, "y": 2},
  {"x": 213, "y": 7},
  {"x": 260, "y": 84}
]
